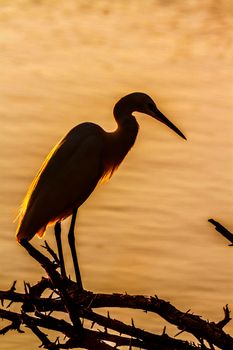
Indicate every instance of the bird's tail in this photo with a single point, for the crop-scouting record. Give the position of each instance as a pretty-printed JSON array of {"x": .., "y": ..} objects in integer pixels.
[{"x": 27, "y": 231}]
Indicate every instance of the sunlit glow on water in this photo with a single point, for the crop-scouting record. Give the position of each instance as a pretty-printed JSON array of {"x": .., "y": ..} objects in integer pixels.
[{"x": 146, "y": 230}]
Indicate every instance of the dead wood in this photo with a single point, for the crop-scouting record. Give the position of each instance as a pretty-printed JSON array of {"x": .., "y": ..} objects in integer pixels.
[{"x": 35, "y": 312}]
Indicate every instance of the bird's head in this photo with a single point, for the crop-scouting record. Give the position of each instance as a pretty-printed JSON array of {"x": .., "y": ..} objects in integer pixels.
[{"x": 140, "y": 102}]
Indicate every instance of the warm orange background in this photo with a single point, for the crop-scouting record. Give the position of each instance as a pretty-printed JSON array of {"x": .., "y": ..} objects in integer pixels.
[{"x": 146, "y": 231}]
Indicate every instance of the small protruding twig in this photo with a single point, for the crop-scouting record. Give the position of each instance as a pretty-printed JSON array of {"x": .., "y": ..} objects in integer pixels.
[
  {"x": 51, "y": 252},
  {"x": 132, "y": 322},
  {"x": 13, "y": 288},
  {"x": 182, "y": 331},
  {"x": 226, "y": 319},
  {"x": 27, "y": 288},
  {"x": 10, "y": 303},
  {"x": 211, "y": 346},
  {"x": 15, "y": 325},
  {"x": 45, "y": 342}
]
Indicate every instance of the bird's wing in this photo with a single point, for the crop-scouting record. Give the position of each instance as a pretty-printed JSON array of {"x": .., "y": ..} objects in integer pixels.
[{"x": 65, "y": 180}]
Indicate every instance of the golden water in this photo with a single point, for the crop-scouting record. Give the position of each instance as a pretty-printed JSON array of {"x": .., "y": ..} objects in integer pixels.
[{"x": 145, "y": 231}]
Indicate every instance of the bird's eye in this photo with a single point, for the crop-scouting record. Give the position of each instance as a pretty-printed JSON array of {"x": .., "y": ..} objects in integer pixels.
[{"x": 152, "y": 107}]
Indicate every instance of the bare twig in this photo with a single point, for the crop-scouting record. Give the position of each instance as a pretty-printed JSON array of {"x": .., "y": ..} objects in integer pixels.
[
  {"x": 221, "y": 229},
  {"x": 78, "y": 304}
]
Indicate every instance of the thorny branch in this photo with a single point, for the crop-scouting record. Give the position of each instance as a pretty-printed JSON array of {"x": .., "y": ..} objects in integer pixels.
[{"x": 86, "y": 329}]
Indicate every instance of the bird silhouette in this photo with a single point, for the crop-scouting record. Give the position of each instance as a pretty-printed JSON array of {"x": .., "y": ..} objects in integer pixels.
[{"x": 73, "y": 168}]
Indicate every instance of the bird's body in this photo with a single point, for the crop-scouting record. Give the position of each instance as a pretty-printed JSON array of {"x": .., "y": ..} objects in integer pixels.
[
  {"x": 74, "y": 167},
  {"x": 70, "y": 173}
]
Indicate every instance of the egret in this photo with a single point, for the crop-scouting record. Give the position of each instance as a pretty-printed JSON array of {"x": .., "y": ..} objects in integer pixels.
[{"x": 73, "y": 168}]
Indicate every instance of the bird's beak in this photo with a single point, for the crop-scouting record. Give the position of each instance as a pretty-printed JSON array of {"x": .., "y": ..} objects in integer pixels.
[{"x": 159, "y": 116}]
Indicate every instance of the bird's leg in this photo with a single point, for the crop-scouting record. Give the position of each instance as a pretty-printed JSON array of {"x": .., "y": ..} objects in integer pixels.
[
  {"x": 57, "y": 230},
  {"x": 71, "y": 239}
]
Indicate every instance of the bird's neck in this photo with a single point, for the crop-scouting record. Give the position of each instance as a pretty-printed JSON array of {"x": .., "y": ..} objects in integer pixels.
[
  {"x": 126, "y": 133},
  {"x": 124, "y": 118},
  {"x": 127, "y": 127},
  {"x": 119, "y": 142}
]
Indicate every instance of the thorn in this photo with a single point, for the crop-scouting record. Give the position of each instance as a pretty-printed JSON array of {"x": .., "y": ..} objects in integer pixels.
[
  {"x": 40, "y": 314},
  {"x": 44, "y": 245},
  {"x": 108, "y": 314},
  {"x": 10, "y": 303},
  {"x": 27, "y": 287},
  {"x": 227, "y": 312},
  {"x": 164, "y": 330},
  {"x": 185, "y": 313},
  {"x": 182, "y": 331},
  {"x": 132, "y": 321},
  {"x": 226, "y": 319},
  {"x": 92, "y": 325},
  {"x": 130, "y": 344},
  {"x": 2, "y": 302},
  {"x": 19, "y": 330},
  {"x": 211, "y": 346},
  {"x": 12, "y": 289},
  {"x": 51, "y": 295},
  {"x": 95, "y": 296}
]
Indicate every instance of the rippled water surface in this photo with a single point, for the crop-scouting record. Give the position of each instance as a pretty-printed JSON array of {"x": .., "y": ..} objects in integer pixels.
[{"x": 145, "y": 231}]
